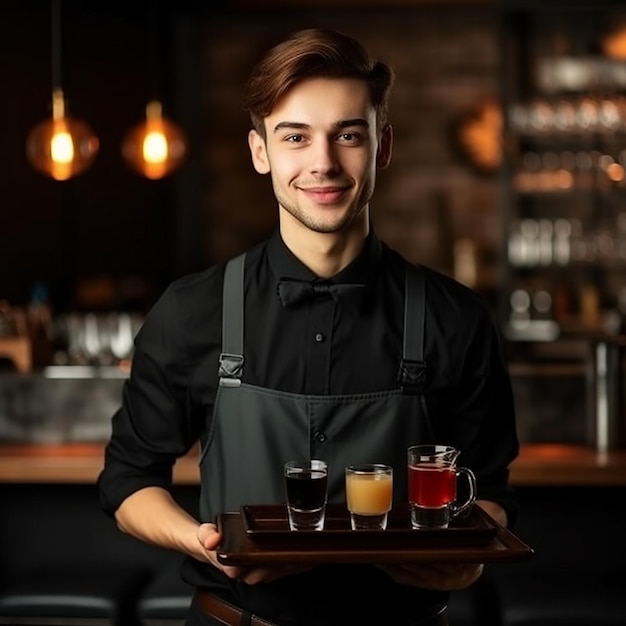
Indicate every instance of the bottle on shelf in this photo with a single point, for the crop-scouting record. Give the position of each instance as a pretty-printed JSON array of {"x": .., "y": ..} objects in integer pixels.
[{"x": 39, "y": 323}]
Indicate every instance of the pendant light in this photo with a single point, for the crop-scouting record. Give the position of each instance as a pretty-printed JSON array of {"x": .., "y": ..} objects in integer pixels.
[
  {"x": 156, "y": 146},
  {"x": 61, "y": 146}
]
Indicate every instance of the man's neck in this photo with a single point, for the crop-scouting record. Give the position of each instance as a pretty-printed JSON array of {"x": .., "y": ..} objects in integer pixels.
[{"x": 325, "y": 254}]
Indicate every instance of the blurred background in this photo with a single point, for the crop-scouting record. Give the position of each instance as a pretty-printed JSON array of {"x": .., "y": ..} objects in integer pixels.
[
  {"x": 508, "y": 174},
  {"x": 112, "y": 224},
  {"x": 508, "y": 170}
]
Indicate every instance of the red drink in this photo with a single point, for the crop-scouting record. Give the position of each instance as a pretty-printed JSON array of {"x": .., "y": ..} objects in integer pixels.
[{"x": 431, "y": 485}]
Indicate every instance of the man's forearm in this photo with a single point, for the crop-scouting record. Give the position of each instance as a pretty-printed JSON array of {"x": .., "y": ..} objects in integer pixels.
[{"x": 152, "y": 515}]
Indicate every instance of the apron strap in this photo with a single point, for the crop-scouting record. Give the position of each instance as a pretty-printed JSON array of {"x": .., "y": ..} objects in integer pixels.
[
  {"x": 231, "y": 358},
  {"x": 412, "y": 375}
]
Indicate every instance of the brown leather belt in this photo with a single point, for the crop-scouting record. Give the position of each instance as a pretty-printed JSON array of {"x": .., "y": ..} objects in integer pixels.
[{"x": 225, "y": 612}]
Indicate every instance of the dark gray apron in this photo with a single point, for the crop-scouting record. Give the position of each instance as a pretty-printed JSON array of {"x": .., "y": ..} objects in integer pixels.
[{"x": 255, "y": 430}]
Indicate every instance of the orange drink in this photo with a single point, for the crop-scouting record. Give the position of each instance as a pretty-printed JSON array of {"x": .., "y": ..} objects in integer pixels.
[{"x": 369, "y": 494}]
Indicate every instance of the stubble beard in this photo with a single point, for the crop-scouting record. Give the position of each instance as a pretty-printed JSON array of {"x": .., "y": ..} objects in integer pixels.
[{"x": 321, "y": 226}]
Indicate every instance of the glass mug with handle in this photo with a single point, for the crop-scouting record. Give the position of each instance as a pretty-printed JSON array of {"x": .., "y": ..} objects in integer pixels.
[{"x": 432, "y": 481}]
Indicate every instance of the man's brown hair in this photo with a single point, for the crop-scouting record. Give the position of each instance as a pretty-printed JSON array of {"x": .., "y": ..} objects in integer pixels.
[{"x": 314, "y": 53}]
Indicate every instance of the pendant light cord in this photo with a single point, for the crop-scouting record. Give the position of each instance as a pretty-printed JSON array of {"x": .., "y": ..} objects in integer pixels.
[
  {"x": 153, "y": 47},
  {"x": 56, "y": 44}
]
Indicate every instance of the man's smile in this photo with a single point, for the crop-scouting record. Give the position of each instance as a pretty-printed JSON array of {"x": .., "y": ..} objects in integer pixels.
[{"x": 324, "y": 195}]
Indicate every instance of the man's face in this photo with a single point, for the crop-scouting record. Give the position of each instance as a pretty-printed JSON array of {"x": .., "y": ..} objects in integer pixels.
[{"x": 322, "y": 153}]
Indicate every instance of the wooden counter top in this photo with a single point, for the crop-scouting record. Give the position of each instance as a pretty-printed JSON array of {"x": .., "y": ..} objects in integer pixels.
[
  {"x": 546, "y": 464},
  {"x": 70, "y": 463},
  {"x": 567, "y": 465}
]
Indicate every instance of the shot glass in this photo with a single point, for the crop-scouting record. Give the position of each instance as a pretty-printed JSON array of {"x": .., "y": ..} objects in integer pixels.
[
  {"x": 369, "y": 494},
  {"x": 432, "y": 479},
  {"x": 306, "y": 488}
]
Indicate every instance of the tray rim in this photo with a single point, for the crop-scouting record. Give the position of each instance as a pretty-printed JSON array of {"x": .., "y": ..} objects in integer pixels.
[
  {"x": 236, "y": 548},
  {"x": 483, "y": 527}
]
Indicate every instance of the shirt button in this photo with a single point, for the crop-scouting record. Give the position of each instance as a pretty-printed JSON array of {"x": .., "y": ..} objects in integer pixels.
[
  {"x": 319, "y": 436},
  {"x": 319, "y": 337}
]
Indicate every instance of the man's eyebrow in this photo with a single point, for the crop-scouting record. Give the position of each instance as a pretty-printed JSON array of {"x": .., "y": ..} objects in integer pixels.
[
  {"x": 290, "y": 126},
  {"x": 357, "y": 121}
]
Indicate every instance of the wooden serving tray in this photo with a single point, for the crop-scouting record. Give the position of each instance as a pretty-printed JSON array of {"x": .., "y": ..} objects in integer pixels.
[{"x": 260, "y": 534}]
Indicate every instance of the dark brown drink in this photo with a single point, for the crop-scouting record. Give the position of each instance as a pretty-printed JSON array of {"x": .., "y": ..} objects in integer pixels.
[
  {"x": 306, "y": 485},
  {"x": 307, "y": 489}
]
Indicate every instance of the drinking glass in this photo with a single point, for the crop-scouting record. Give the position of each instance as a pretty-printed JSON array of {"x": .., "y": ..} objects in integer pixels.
[
  {"x": 433, "y": 477},
  {"x": 369, "y": 494},
  {"x": 306, "y": 488}
]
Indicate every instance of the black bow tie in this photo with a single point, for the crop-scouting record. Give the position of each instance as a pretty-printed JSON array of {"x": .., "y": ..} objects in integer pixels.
[{"x": 292, "y": 291}]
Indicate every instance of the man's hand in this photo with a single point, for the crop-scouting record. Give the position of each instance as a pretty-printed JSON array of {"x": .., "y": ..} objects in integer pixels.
[
  {"x": 440, "y": 576},
  {"x": 444, "y": 576},
  {"x": 152, "y": 514},
  {"x": 209, "y": 538}
]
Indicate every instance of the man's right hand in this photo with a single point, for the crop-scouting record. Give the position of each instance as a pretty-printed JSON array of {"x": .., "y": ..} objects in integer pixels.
[{"x": 209, "y": 538}]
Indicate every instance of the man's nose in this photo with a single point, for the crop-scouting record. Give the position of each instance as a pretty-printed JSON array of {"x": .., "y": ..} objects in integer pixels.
[{"x": 324, "y": 157}]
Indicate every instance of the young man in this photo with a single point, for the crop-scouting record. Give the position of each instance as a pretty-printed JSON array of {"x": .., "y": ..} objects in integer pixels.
[{"x": 320, "y": 342}]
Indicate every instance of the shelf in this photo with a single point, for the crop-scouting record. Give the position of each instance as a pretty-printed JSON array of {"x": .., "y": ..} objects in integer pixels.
[
  {"x": 74, "y": 372},
  {"x": 564, "y": 162},
  {"x": 537, "y": 465},
  {"x": 557, "y": 370}
]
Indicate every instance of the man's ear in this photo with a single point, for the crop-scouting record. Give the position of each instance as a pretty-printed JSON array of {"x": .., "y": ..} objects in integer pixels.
[
  {"x": 385, "y": 145},
  {"x": 259, "y": 153}
]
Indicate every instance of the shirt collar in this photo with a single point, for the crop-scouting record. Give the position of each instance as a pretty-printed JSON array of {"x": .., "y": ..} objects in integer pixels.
[{"x": 362, "y": 269}]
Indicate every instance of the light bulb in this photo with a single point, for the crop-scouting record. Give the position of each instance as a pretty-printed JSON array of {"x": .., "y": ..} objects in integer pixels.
[
  {"x": 156, "y": 147},
  {"x": 61, "y": 147}
]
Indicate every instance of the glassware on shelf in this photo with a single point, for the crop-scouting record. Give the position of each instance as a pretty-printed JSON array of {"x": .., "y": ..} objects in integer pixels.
[{"x": 96, "y": 339}]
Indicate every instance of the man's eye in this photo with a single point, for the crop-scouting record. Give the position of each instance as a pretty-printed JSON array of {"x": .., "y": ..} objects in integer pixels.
[
  {"x": 294, "y": 139},
  {"x": 350, "y": 137}
]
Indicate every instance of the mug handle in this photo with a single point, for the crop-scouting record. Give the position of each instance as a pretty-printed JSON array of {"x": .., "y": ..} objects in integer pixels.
[{"x": 457, "y": 509}]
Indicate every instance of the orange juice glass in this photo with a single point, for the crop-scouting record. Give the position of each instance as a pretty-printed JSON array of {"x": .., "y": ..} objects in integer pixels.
[{"x": 369, "y": 495}]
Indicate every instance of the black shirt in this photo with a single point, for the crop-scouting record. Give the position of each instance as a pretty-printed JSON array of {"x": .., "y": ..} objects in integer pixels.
[{"x": 311, "y": 348}]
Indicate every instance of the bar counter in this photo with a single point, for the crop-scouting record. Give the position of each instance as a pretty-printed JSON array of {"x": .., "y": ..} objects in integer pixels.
[{"x": 537, "y": 465}]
